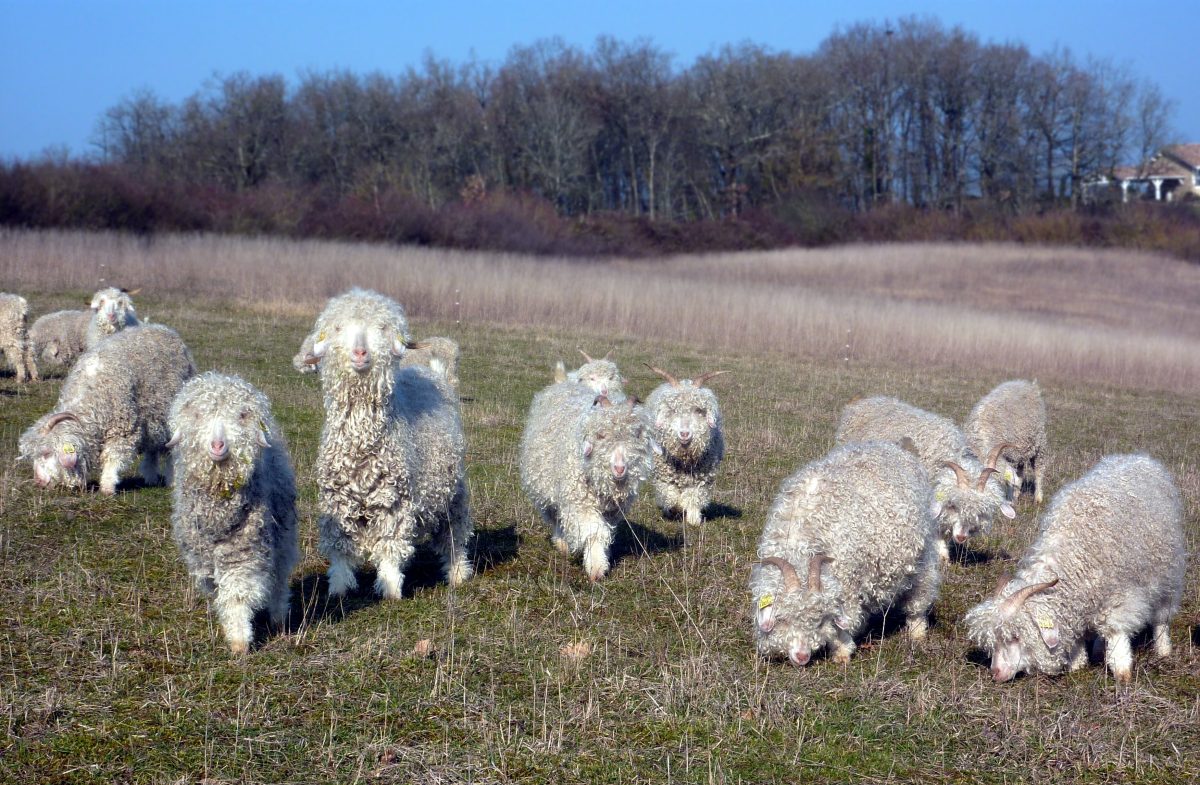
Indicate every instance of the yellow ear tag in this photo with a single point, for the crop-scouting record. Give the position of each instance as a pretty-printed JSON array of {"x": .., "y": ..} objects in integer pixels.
[
  {"x": 320, "y": 336},
  {"x": 262, "y": 426},
  {"x": 940, "y": 496},
  {"x": 1008, "y": 475},
  {"x": 1045, "y": 623},
  {"x": 68, "y": 448},
  {"x": 766, "y": 601}
]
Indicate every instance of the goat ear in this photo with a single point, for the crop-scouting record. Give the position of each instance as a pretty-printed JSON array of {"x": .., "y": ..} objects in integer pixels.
[
  {"x": 935, "y": 508},
  {"x": 765, "y": 615},
  {"x": 841, "y": 621},
  {"x": 1048, "y": 630},
  {"x": 656, "y": 447},
  {"x": 68, "y": 459},
  {"x": 587, "y": 449},
  {"x": 660, "y": 421},
  {"x": 1007, "y": 510},
  {"x": 710, "y": 417}
]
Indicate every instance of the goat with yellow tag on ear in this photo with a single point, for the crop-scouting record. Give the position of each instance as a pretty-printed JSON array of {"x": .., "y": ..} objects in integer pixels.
[
  {"x": 856, "y": 525},
  {"x": 112, "y": 406},
  {"x": 967, "y": 493},
  {"x": 1012, "y": 418},
  {"x": 1109, "y": 560}
]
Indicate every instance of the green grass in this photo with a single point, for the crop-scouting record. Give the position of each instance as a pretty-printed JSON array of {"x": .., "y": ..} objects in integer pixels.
[{"x": 111, "y": 670}]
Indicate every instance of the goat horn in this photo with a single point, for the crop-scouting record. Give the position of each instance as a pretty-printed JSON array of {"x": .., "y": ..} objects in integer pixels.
[
  {"x": 704, "y": 377},
  {"x": 132, "y": 292},
  {"x": 791, "y": 581},
  {"x": 606, "y": 354},
  {"x": 981, "y": 483},
  {"x": 56, "y": 419},
  {"x": 586, "y": 356},
  {"x": 1001, "y": 582},
  {"x": 814, "y": 570},
  {"x": 311, "y": 359},
  {"x": 963, "y": 480},
  {"x": 674, "y": 382},
  {"x": 995, "y": 453},
  {"x": 1014, "y": 603}
]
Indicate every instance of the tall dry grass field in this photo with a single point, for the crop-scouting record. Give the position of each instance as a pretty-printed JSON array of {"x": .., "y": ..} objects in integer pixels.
[
  {"x": 1108, "y": 317},
  {"x": 112, "y": 670}
]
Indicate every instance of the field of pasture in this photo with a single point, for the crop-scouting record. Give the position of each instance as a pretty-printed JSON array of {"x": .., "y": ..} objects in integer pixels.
[{"x": 112, "y": 670}]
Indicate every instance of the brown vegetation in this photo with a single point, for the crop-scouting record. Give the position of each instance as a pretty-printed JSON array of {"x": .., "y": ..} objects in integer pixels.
[{"x": 1095, "y": 316}]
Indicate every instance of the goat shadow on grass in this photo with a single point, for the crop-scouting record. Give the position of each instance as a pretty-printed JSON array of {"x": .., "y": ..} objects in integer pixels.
[
  {"x": 311, "y": 602},
  {"x": 634, "y": 540},
  {"x": 966, "y": 556},
  {"x": 495, "y": 547},
  {"x": 710, "y": 513}
]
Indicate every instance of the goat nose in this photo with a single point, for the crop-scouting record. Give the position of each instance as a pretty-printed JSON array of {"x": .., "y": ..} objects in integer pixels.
[
  {"x": 685, "y": 436},
  {"x": 960, "y": 538}
]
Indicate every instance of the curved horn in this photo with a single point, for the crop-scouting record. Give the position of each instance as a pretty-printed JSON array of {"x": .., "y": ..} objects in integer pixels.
[
  {"x": 132, "y": 292},
  {"x": 1014, "y": 603},
  {"x": 56, "y": 419},
  {"x": 963, "y": 480},
  {"x": 586, "y": 356},
  {"x": 814, "y": 570},
  {"x": 704, "y": 377},
  {"x": 791, "y": 581},
  {"x": 994, "y": 455},
  {"x": 981, "y": 483},
  {"x": 674, "y": 382},
  {"x": 998, "y": 587}
]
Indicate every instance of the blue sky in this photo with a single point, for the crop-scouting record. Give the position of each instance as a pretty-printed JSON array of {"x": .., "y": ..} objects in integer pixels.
[{"x": 63, "y": 62}]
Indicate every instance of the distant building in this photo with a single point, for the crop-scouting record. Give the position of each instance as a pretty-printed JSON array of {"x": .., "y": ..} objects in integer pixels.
[{"x": 1170, "y": 174}]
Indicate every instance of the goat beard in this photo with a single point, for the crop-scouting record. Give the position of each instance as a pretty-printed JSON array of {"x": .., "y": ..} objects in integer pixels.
[{"x": 228, "y": 477}]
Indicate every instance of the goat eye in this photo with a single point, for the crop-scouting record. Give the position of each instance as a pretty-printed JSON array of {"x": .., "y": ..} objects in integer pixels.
[{"x": 245, "y": 414}]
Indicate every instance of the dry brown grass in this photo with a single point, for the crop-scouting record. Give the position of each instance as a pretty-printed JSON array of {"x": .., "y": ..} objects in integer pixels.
[{"x": 1109, "y": 317}]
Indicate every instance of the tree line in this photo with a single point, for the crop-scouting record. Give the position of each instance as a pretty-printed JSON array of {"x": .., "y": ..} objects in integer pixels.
[{"x": 882, "y": 113}]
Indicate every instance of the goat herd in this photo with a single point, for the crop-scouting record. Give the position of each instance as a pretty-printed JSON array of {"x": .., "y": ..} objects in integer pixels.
[{"x": 861, "y": 529}]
